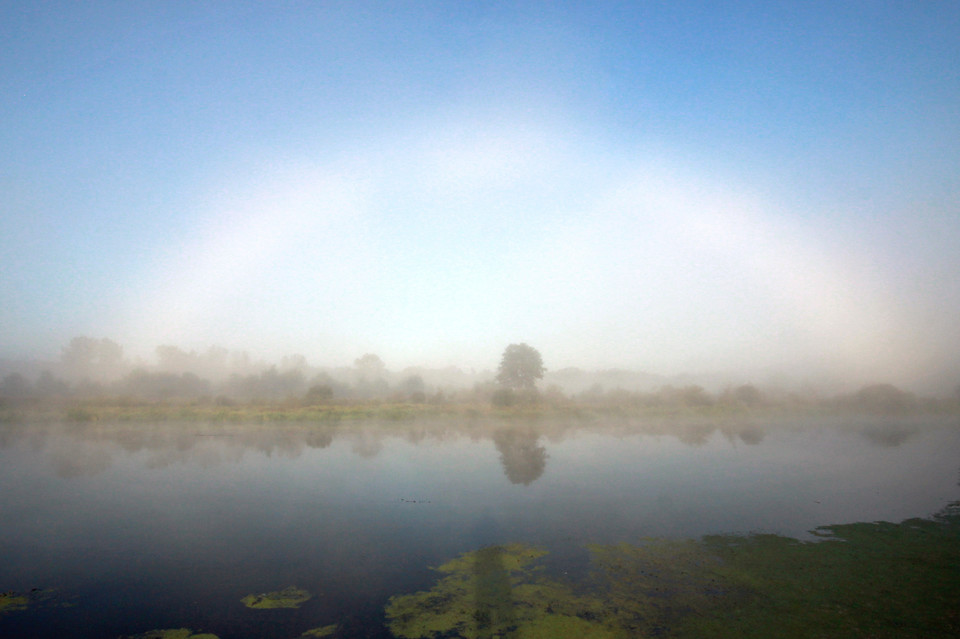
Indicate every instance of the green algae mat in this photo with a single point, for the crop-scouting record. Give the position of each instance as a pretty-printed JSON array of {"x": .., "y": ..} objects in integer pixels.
[
  {"x": 290, "y": 597},
  {"x": 324, "y": 631},
  {"x": 12, "y": 601},
  {"x": 877, "y": 580},
  {"x": 174, "y": 633},
  {"x": 855, "y": 580}
]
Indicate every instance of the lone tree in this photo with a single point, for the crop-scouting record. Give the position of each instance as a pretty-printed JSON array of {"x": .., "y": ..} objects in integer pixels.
[{"x": 520, "y": 367}]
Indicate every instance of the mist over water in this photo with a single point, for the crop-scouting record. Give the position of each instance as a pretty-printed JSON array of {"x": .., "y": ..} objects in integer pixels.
[
  {"x": 323, "y": 296},
  {"x": 168, "y": 526}
]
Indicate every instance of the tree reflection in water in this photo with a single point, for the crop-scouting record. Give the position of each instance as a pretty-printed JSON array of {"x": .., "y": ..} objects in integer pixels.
[
  {"x": 494, "y": 602},
  {"x": 523, "y": 461}
]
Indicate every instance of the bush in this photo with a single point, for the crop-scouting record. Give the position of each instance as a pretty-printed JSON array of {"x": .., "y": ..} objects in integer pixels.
[
  {"x": 503, "y": 397},
  {"x": 319, "y": 393},
  {"x": 884, "y": 399}
]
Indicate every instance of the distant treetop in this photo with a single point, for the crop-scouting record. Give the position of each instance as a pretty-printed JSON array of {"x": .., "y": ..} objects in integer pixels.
[{"x": 520, "y": 367}]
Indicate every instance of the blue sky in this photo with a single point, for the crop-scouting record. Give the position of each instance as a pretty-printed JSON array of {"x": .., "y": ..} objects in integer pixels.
[{"x": 683, "y": 186}]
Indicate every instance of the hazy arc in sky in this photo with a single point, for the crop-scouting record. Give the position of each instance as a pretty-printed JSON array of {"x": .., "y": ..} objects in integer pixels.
[
  {"x": 680, "y": 187},
  {"x": 687, "y": 253}
]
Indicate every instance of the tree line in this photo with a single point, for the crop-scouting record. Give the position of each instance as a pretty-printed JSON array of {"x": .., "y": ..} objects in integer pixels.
[{"x": 91, "y": 368}]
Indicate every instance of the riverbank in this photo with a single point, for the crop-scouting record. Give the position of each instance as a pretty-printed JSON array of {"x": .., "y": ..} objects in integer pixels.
[{"x": 126, "y": 410}]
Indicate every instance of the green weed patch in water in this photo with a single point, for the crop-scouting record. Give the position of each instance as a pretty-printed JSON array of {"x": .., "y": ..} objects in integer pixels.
[
  {"x": 858, "y": 580},
  {"x": 16, "y": 601},
  {"x": 324, "y": 631},
  {"x": 291, "y": 597},
  {"x": 11, "y": 601},
  {"x": 649, "y": 588},
  {"x": 863, "y": 580},
  {"x": 173, "y": 633},
  {"x": 494, "y": 592}
]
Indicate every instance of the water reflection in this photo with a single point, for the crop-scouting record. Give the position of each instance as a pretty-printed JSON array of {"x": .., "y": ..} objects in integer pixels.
[
  {"x": 82, "y": 462},
  {"x": 495, "y": 591},
  {"x": 366, "y": 444},
  {"x": 751, "y": 435},
  {"x": 695, "y": 434},
  {"x": 523, "y": 461},
  {"x": 180, "y": 513},
  {"x": 494, "y": 601},
  {"x": 77, "y": 450},
  {"x": 317, "y": 438},
  {"x": 889, "y": 435}
]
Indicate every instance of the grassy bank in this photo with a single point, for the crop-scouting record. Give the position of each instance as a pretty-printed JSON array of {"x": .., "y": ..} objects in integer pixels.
[
  {"x": 125, "y": 410},
  {"x": 255, "y": 413}
]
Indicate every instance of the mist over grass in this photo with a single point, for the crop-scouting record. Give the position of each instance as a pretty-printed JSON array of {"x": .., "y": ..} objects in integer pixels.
[{"x": 94, "y": 380}]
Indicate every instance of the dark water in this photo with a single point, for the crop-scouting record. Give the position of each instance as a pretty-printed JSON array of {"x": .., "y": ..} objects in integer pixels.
[{"x": 138, "y": 527}]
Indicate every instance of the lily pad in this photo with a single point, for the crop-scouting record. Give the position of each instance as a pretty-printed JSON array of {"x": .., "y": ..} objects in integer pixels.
[
  {"x": 324, "y": 631},
  {"x": 291, "y": 597}
]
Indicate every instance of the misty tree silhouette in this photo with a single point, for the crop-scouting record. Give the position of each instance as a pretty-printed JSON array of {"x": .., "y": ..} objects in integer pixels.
[{"x": 520, "y": 367}]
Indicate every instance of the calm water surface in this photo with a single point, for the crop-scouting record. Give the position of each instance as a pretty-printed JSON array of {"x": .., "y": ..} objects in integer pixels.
[{"x": 139, "y": 526}]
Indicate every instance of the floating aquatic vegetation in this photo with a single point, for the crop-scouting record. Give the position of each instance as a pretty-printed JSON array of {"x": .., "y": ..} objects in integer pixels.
[
  {"x": 324, "y": 631},
  {"x": 10, "y": 601},
  {"x": 866, "y": 579},
  {"x": 174, "y": 633},
  {"x": 858, "y": 580},
  {"x": 650, "y": 587},
  {"x": 496, "y": 592},
  {"x": 493, "y": 592},
  {"x": 291, "y": 597}
]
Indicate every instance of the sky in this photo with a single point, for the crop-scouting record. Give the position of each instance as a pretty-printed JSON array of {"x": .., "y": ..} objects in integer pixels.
[{"x": 660, "y": 186}]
